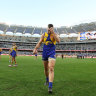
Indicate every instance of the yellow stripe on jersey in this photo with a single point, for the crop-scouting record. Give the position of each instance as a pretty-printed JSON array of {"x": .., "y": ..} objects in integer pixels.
[
  {"x": 15, "y": 48},
  {"x": 45, "y": 37}
]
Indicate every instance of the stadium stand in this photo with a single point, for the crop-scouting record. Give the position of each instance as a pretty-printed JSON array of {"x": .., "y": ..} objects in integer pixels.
[
  {"x": 61, "y": 30},
  {"x": 11, "y": 29},
  {"x": 29, "y": 30},
  {"x": 20, "y": 29},
  {"x": 3, "y": 27},
  {"x": 37, "y": 31},
  {"x": 69, "y": 44},
  {"x": 44, "y": 30}
]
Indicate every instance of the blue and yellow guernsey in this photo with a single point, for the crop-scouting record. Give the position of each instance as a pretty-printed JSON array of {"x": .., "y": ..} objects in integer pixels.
[
  {"x": 49, "y": 41},
  {"x": 0, "y": 51},
  {"x": 49, "y": 46},
  {"x": 14, "y": 49}
]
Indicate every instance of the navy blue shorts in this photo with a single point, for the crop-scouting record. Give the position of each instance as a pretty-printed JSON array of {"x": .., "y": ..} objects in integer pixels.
[
  {"x": 48, "y": 54},
  {"x": 0, "y": 53},
  {"x": 13, "y": 53}
]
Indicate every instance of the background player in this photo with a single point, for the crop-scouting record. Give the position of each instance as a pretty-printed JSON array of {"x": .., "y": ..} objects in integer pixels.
[
  {"x": 0, "y": 53},
  {"x": 36, "y": 56},
  {"x": 10, "y": 54},
  {"x": 48, "y": 56},
  {"x": 62, "y": 55},
  {"x": 14, "y": 54}
]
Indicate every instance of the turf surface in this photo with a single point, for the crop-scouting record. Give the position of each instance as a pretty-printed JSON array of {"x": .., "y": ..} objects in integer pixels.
[{"x": 73, "y": 77}]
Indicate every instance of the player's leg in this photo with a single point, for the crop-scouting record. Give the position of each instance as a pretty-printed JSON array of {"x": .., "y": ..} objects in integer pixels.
[
  {"x": 15, "y": 62},
  {"x": 51, "y": 69},
  {"x": 51, "y": 73},
  {"x": 15, "y": 58},
  {"x": 10, "y": 58},
  {"x": 36, "y": 57},
  {"x": 45, "y": 62},
  {"x": 11, "y": 62},
  {"x": 46, "y": 72}
]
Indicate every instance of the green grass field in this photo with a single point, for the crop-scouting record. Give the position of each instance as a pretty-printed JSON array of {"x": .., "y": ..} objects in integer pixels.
[{"x": 73, "y": 77}]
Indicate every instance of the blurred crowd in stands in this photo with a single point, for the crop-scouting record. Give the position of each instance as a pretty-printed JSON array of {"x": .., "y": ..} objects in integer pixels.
[{"x": 67, "y": 44}]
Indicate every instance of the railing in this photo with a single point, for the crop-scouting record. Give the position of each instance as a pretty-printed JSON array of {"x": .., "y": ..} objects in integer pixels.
[{"x": 56, "y": 50}]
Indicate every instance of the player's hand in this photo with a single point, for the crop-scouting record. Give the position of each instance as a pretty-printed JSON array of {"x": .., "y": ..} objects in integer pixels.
[
  {"x": 52, "y": 30},
  {"x": 35, "y": 51}
]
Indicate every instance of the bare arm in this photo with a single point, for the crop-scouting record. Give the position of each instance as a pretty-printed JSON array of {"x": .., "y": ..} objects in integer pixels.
[
  {"x": 38, "y": 44},
  {"x": 9, "y": 51},
  {"x": 56, "y": 37}
]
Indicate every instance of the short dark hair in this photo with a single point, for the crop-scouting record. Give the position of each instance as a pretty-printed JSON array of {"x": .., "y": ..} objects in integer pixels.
[{"x": 50, "y": 25}]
